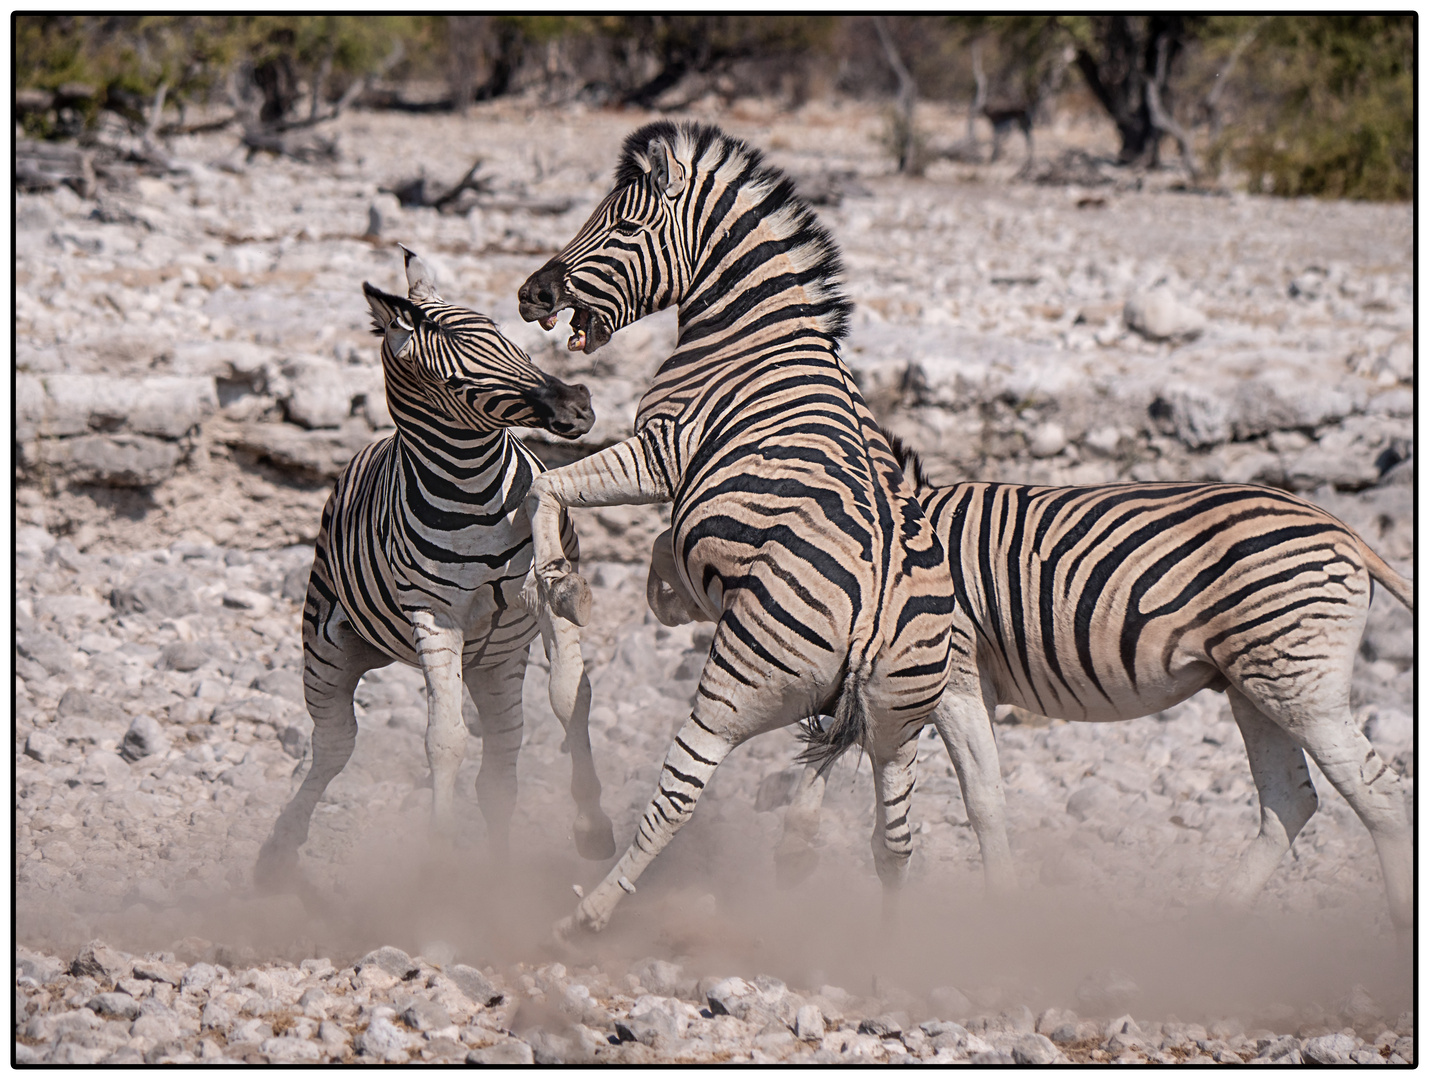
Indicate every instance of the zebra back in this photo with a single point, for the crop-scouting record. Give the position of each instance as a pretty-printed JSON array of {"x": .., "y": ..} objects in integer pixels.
[{"x": 1118, "y": 600}]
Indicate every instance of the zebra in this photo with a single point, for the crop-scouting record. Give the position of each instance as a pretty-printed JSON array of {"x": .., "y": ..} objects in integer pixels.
[
  {"x": 793, "y": 526},
  {"x": 1115, "y": 601},
  {"x": 422, "y": 556}
]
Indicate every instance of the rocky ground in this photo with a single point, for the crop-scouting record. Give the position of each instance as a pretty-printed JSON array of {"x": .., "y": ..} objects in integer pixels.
[{"x": 193, "y": 368}]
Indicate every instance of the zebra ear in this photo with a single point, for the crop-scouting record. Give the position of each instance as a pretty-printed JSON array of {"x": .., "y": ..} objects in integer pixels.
[
  {"x": 421, "y": 282},
  {"x": 667, "y": 175},
  {"x": 392, "y": 317}
]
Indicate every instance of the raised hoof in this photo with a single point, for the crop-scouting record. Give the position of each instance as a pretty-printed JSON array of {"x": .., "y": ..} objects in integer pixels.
[
  {"x": 793, "y": 864},
  {"x": 570, "y": 598},
  {"x": 595, "y": 837}
]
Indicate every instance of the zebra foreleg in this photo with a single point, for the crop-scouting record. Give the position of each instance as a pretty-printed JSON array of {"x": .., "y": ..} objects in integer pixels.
[
  {"x": 664, "y": 592},
  {"x": 594, "y": 835},
  {"x": 439, "y": 651},
  {"x": 617, "y": 475},
  {"x": 497, "y": 694},
  {"x": 1287, "y": 799},
  {"x": 964, "y": 720}
]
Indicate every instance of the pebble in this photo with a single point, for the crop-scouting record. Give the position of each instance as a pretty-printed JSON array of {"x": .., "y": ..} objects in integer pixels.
[
  {"x": 159, "y": 702},
  {"x": 1330, "y": 1049}
]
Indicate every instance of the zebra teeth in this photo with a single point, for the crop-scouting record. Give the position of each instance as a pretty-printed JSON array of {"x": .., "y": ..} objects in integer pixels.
[
  {"x": 577, "y": 341},
  {"x": 549, "y": 321}
]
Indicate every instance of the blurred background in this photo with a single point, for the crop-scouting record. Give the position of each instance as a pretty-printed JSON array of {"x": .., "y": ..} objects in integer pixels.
[
  {"x": 1080, "y": 250},
  {"x": 1291, "y": 105}
]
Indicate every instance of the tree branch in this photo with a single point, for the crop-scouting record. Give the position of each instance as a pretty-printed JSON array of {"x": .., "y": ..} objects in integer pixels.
[
  {"x": 907, "y": 95},
  {"x": 1160, "y": 118},
  {"x": 1210, "y": 104}
]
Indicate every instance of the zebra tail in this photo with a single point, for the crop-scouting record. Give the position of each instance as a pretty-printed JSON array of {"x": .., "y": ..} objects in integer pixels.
[
  {"x": 825, "y": 745},
  {"x": 1400, "y": 587}
]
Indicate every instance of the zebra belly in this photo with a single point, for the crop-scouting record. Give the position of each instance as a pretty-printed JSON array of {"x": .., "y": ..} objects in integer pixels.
[{"x": 1075, "y": 698}]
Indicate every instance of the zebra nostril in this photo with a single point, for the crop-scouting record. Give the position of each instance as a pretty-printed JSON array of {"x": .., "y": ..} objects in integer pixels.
[{"x": 545, "y": 296}]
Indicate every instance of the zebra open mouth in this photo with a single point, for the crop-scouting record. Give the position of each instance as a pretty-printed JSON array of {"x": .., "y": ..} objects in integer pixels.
[{"x": 588, "y": 330}]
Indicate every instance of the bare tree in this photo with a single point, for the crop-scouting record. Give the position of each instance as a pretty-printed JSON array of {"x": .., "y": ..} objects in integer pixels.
[
  {"x": 903, "y": 134},
  {"x": 1124, "y": 56}
]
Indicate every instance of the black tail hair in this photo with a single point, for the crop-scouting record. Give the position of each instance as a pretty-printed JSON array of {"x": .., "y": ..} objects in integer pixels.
[
  {"x": 910, "y": 462},
  {"x": 824, "y": 746}
]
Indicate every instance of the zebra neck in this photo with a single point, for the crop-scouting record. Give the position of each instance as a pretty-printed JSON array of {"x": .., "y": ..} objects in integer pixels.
[
  {"x": 775, "y": 276},
  {"x": 482, "y": 471},
  {"x": 760, "y": 316}
]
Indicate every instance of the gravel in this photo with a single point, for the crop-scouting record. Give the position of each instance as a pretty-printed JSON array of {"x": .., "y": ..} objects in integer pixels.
[{"x": 159, "y": 723}]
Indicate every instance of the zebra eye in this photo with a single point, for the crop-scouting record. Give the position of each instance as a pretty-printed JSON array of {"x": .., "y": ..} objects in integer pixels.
[{"x": 627, "y": 228}]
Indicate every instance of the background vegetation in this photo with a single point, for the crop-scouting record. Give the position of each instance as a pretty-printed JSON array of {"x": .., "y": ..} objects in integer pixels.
[{"x": 1299, "y": 104}]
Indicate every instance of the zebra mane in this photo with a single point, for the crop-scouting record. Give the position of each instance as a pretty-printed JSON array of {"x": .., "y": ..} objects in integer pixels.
[
  {"x": 909, "y": 462},
  {"x": 827, "y": 262}
]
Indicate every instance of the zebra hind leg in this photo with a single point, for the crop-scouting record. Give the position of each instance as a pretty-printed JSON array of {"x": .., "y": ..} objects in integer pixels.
[
  {"x": 1375, "y": 793},
  {"x": 1287, "y": 799},
  {"x": 334, "y": 660},
  {"x": 895, "y": 774}
]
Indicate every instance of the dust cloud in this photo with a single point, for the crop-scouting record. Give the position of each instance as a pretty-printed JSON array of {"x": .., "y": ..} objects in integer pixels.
[{"x": 710, "y": 903}]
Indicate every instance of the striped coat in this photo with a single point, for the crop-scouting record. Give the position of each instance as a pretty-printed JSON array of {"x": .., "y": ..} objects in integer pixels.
[
  {"x": 1117, "y": 601},
  {"x": 793, "y": 526},
  {"x": 422, "y": 558}
]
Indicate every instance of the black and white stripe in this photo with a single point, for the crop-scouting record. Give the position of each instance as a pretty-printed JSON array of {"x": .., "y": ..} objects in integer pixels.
[
  {"x": 1117, "y": 601},
  {"x": 792, "y": 524},
  {"x": 423, "y": 552}
]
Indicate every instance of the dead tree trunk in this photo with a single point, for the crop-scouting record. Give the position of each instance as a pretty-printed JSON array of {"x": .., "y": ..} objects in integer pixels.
[
  {"x": 903, "y": 133},
  {"x": 1161, "y": 118},
  {"x": 1127, "y": 60}
]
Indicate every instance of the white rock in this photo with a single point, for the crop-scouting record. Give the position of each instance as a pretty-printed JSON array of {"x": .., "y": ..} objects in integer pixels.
[
  {"x": 1158, "y": 315},
  {"x": 1048, "y": 440},
  {"x": 1390, "y": 727}
]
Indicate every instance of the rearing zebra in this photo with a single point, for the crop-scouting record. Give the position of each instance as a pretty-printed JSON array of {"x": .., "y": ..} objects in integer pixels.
[
  {"x": 793, "y": 526},
  {"x": 422, "y": 555},
  {"x": 1116, "y": 601}
]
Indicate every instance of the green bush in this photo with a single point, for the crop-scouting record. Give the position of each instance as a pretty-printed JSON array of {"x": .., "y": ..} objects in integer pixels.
[{"x": 1328, "y": 107}]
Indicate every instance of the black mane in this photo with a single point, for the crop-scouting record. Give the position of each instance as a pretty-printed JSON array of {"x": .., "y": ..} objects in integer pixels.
[{"x": 909, "y": 462}]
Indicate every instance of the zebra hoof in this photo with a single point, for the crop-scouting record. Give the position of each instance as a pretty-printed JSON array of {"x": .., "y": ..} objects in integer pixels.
[
  {"x": 570, "y": 598},
  {"x": 595, "y": 838},
  {"x": 794, "y": 864}
]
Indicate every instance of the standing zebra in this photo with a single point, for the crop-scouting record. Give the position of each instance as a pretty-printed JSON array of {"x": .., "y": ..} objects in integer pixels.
[
  {"x": 1116, "y": 601},
  {"x": 421, "y": 557},
  {"x": 793, "y": 526}
]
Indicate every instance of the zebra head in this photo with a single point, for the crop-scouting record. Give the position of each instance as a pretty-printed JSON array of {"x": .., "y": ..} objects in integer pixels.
[
  {"x": 698, "y": 219},
  {"x": 630, "y": 258},
  {"x": 454, "y": 361}
]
